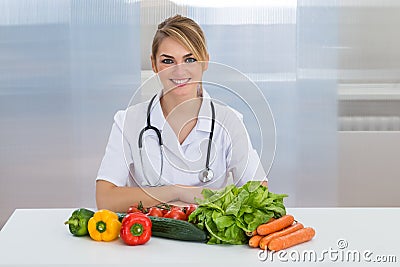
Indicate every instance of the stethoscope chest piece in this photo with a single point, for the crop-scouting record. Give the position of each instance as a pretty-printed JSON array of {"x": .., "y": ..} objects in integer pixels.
[{"x": 206, "y": 175}]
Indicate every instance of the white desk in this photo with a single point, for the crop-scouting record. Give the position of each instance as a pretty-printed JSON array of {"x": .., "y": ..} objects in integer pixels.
[{"x": 38, "y": 237}]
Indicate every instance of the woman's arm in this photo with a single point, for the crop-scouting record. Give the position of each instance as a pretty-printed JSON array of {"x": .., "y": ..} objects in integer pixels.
[{"x": 119, "y": 199}]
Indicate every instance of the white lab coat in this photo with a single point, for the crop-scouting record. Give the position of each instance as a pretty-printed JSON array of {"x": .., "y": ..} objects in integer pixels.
[{"x": 231, "y": 150}]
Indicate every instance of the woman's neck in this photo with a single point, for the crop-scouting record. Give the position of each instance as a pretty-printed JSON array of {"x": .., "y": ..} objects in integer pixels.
[
  {"x": 184, "y": 105},
  {"x": 181, "y": 114}
]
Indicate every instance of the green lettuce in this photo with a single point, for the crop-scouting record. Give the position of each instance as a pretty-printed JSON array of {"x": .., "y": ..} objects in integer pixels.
[{"x": 229, "y": 213}]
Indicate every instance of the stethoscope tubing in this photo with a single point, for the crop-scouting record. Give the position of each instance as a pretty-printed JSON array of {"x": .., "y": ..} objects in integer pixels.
[{"x": 205, "y": 175}]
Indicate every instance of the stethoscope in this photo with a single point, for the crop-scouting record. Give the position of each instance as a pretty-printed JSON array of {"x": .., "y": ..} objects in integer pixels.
[{"x": 205, "y": 175}]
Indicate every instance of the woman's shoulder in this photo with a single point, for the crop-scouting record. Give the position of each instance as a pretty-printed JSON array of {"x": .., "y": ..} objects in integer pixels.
[
  {"x": 137, "y": 110},
  {"x": 226, "y": 112}
]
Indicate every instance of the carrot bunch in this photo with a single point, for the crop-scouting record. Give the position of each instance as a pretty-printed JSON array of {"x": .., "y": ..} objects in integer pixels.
[{"x": 278, "y": 234}]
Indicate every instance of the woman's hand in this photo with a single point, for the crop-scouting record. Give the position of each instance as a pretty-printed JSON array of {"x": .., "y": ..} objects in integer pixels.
[{"x": 187, "y": 193}]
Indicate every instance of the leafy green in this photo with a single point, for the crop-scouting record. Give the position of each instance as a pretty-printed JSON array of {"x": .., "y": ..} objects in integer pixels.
[{"x": 229, "y": 213}]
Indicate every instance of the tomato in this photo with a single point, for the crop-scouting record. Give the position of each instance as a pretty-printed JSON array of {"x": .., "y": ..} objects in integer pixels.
[
  {"x": 133, "y": 209},
  {"x": 137, "y": 207},
  {"x": 189, "y": 209},
  {"x": 176, "y": 214},
  {"x": 164, "y": 211},
  {"x": 155, "y": 212}
]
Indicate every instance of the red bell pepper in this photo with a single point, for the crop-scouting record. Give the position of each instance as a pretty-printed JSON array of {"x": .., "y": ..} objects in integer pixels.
[{"x": 136, "y": 229}]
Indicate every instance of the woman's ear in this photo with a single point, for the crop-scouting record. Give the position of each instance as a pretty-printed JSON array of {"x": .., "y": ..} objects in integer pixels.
[{"x": 153, "y": 64}]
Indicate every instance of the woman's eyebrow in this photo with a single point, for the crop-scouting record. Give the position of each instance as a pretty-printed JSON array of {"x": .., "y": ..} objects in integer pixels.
[
  {"x": 168, "y": 56},
  {"x": 165, "y": 55}
]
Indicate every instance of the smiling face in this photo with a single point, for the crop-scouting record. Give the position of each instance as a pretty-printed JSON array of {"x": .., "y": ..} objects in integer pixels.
[{"x": 179, "y": 71}]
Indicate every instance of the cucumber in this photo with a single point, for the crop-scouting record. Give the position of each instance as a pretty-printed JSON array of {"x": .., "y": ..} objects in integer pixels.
[{"x": 176, "y": 229}]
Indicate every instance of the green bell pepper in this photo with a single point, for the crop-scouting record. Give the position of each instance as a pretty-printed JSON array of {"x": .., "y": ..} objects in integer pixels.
[{"x": 78, "y": 222}]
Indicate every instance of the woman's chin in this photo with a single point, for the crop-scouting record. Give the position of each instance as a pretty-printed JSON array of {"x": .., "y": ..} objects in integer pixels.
[{"x": 183, "y": 90}]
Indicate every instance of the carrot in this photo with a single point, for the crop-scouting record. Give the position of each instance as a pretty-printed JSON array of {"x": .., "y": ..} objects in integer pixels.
[
  {"x": 266, "y": 239},
  {"x": 255, "y": 240},
  {"x": 250, "y": 234},
  {"x": 275, "y": 225},
  {"x": 253, "y": 233},
  {"x": 291, "y": 239}
]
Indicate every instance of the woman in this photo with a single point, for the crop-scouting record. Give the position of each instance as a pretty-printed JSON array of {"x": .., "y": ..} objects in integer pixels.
[{"x": 202, "y": 141}]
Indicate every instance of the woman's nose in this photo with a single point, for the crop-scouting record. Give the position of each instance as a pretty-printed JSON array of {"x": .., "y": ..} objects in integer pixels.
[{"x": 179, "y": 69}]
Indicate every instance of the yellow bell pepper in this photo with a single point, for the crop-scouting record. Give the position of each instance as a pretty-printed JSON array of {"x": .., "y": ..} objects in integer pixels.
[{"x": 104, "y": 226}]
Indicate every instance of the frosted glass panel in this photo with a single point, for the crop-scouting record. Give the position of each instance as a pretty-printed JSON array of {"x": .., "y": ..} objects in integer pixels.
[
  {"x": 66, "y": 67},
  {"x": 285, "y": 50},
  {"x": 315, "y": 105}
]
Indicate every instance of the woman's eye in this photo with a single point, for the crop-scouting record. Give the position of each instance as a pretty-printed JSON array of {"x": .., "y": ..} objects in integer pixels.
[
  {"x": 167, "y": 61},
  {"x": 190, "y": 60}
]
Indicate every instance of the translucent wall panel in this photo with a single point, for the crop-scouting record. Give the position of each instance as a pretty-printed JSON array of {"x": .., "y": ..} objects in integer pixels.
[
  {"x": 36, "y": 149},
  {"x": 369, "y": 41},
  {"x": 285, "y": 48},
  {"x": 315, "y": 105},
  {"x": 105, "y": 72},
  {"x": 66, "y": 67},
  {"x": 369, "y": 65}
]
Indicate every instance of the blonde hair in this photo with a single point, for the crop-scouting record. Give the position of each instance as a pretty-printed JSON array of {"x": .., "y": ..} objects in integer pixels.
[{"x": 186, "y": 32}]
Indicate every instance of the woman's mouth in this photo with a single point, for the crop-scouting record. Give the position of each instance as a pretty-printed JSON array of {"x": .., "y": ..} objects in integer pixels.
[{"x": 180, "y": 82}]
